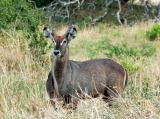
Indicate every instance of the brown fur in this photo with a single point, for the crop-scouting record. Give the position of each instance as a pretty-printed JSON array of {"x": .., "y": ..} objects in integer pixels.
[
  {"x": 73, "y": 80},
  {"x": 59, "y": 38}
]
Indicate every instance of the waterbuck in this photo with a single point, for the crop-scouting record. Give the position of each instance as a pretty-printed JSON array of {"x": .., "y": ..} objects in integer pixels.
[{"x": 73, "y": 80}]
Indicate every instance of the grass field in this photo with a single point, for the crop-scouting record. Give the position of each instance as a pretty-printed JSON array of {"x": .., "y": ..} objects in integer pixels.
[{"x": 22, "y": 77}]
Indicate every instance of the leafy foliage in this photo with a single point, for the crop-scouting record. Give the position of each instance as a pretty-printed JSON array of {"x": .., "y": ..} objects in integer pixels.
[
  {"x": 19, "y": 15},
  {"x": 154, "y": 32},
  {"x": 120, "y": 50},
  {"x": 39, "y": 46},
  {"x": 127, "y": 55}
]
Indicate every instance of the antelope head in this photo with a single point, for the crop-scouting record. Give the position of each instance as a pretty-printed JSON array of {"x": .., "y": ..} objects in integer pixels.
[{"x": 61, "y": 41}]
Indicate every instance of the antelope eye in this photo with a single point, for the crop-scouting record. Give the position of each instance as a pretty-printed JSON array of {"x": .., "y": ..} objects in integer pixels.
[{"x": 64, "y": 41}]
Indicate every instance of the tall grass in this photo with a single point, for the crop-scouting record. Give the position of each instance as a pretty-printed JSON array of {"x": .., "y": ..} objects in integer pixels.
[{"x": 23, "y": 76}]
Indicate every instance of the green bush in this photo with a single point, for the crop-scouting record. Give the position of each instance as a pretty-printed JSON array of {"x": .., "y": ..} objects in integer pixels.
[
  {"x": 148, "y": 50},
  {"x": 119, "y": 50},
  {"x": 19, "y": 15},
  {"x": 125, "y": 54},
  {"x": 154, "y": 32},
  {"x": 39, "y": 46},
  {"x": 130, "y": 64}
]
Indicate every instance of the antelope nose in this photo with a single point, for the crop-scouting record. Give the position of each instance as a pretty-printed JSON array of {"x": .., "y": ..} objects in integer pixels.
[{"x": 56, "y": 52}]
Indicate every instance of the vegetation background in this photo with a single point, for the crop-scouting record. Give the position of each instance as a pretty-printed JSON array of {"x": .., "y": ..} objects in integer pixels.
[{"x": 25, "y": 59}]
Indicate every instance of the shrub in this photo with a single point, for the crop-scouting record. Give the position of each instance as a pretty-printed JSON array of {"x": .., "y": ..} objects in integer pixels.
[
  {"x": 147, "y": 50},
  {"x": 125, "y": 54},
  {"x": 19, "y": 15},
  {"x": 154, "y": 32},
  {"x": 130, "y": 64},
  {"x": 119, "y": 50},
  {"x": 39, "y": 46}
]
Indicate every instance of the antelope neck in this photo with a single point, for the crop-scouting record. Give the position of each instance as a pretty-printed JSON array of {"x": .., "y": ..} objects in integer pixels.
[{"x": 60, "y": 66}]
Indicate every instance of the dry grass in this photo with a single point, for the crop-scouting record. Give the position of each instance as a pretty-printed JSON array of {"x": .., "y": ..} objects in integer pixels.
[{"x": 22, "y": 79}]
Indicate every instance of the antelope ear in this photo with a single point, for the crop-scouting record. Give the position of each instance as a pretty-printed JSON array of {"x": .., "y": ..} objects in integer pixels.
[
  {"x": 48, "y": 34},
  {"x": 71, "y": 33}
]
